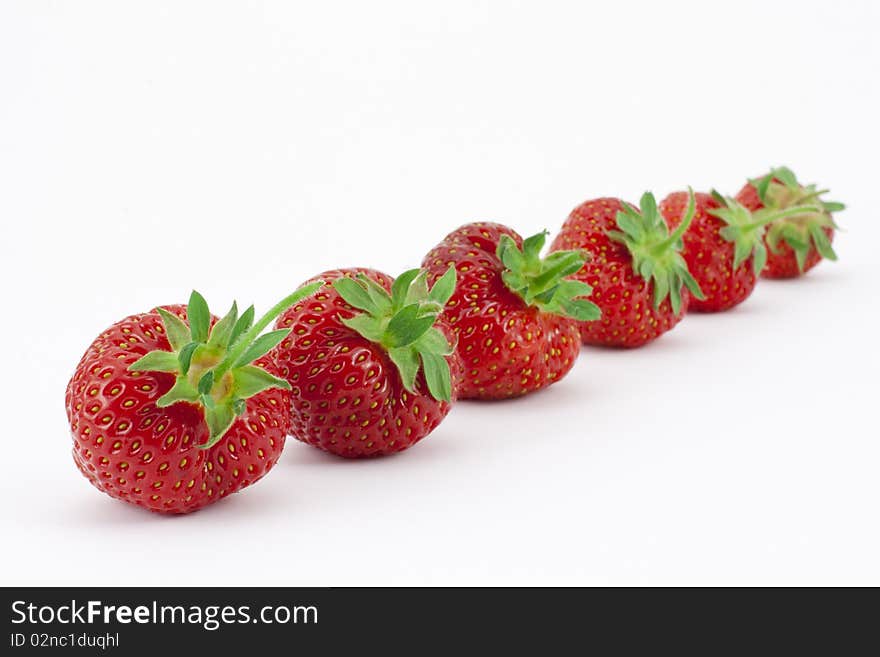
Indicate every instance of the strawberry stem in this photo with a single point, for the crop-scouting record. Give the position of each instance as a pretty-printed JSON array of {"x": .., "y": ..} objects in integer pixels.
[
  {"x": 682, "y": 227},
  {"x": 240, "y": 346},
  {"x": 782, "y": 214}
]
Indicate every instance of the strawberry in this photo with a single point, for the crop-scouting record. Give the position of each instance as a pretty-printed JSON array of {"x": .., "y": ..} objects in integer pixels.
[
  {"x": 639, "y": 278},
  {"x": 512, "y": 312},
  {"x": 371, "y": 368},
  {"x": 172, "y": 409},
  {"x": 724, "y": 245},
  {"x": 796, "y": 243}
]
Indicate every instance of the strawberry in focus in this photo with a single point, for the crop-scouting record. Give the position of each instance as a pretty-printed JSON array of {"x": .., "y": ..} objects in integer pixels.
[
  {"x": 173, "y": 410},
  {"x": 724, "y": 245},
  {"x": 514, "y": 314},
  {"x": 370, "y": 364},
  {"x": 640, "y": 280},
  {"x": 796, "y": 243}
]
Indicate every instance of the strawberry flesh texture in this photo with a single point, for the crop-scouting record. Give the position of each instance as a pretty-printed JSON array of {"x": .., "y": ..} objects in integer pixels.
[
  {"x": 783, "y": 262},
  {"x": 708, "y": 255},
  {"x": 149, "y": 456},
  {"x": 348, "y": 398},
  {"x": 629, "y": 318},
  {"x": 507, "y": 347}
]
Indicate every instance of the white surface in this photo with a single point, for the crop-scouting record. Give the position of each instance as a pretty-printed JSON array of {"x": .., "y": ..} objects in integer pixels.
[{"x": 145, "y": 151}]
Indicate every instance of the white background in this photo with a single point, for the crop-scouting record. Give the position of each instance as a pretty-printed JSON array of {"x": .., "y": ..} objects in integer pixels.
[{"x": 146, "y": 150}]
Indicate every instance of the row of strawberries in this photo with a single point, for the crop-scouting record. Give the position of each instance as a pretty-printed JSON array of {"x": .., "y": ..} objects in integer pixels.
[{"x": 175, "y": 408}]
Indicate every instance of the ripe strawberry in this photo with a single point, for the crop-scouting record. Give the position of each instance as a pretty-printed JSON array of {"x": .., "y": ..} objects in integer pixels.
[
  {"x": 511, "y": 311},
  {"x": 173, "y": 416},
  {"x": 724, "y": 246},
  {"x": 639, "y": 278},
  {"x": 796, "y": 243},
  {"x": 374, "y": 382}
]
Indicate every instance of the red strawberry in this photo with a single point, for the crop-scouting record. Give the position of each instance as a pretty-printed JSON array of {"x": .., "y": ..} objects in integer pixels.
[
  {"x": 639, "y": 279},
  {"x": 511, "y": 311},
  {"x": 724, "y": 246},
  {"x": 373, "y": 382},
  {"x": 796, "y": 243},
  {"x": 173, "y": 417}
]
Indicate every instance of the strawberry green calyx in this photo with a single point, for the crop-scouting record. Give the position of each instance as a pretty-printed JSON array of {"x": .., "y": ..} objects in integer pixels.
[
  {"x": 213, "y": 365},
  {"x": 541, "y": 282},
  {"x": 779, "y": 190},
  {"x": 656, "y": 254},
  {"x": 746, "y": 229},
  {"x": 402, "y": 323}
]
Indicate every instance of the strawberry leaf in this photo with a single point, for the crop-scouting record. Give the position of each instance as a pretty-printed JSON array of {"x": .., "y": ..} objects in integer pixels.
[
  {"x": 406, "y": 326},
  {"x": 206, "y": 383},
  {"x": 821, "y": 242},
  {"x": 510, "y": 255},
  {"x": 243, "y": 324},
  {"x": 250, "y": 380},
  {"x": 175, "y": 330},
  {"x": 219, "y": 418},
  {"x": 262, "y": 346},
  {"x": 400, "y": 289},
  {"x": 407, "y": 363},
  {"x": 182, "y": 390},
  {"x": 378, "y": 294},
  {"x": 185, "y": 357},
  {"x": 759, "y": 259},
  {"x": 199, "y": 317},
  {"x": 156, "y": 361},
  {"x": 355, "y": 295},
  {"x": 437, "y": 376},
  {"x": 785, "y": 176},
  {"x": 367, "y": 325},
  {"x": 443, "y": 287},
  {"x": 417, "y": 293},
  {"x": 532, "y": 246},
  {"x": 435, "y": 342},
  {"x": 222, "y": 330}
]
